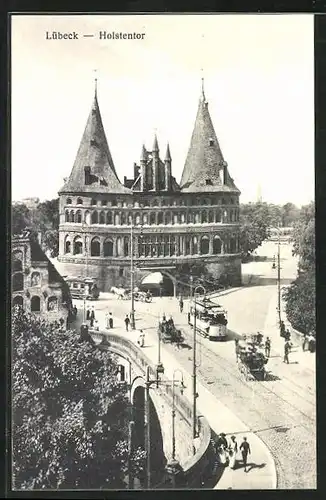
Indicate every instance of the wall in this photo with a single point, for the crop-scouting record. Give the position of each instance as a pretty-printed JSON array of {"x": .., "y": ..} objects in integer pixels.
[{"x": 194, "y": 465}]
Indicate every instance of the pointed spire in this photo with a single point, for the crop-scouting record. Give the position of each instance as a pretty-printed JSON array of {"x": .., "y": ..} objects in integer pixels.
[
  {"x": 155, "y": 144},
  {"x": 202, "y": 170},
  {"x": 143, "y": 155},
  {"x": 168, "y": 154},
  {"x": 95, "y": 154}
]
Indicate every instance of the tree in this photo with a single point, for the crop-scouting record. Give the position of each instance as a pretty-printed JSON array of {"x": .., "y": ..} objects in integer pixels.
[
  {"x": 300, "y": 296},
  {"x": 21, "y": 218},
  {"x": 70, "y": 414},
  {"x": 255, "y": 222},
  {"x": 304, "y": 237},
  {"x": 44, "y": 219}
]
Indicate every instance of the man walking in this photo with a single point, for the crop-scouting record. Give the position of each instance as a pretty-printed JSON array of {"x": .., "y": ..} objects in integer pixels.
[
  {"x": 268, "y": 347},
  {"x": 88, "y": 314},
  {"x": 181, "y": 304},
  {"x": 92, "y": 316},
  {"x": 287, "y": 348},
  {"x": 110, "y": 320},
  {"x": 245, "y": 451},
  {"x": 127, "y": 322}
]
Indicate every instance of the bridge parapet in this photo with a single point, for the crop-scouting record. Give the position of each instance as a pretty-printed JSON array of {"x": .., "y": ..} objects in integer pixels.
[{"x": 195, "y": 465}]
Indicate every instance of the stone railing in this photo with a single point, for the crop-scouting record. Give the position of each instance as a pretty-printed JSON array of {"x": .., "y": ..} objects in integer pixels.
[{"x": 202, "y": 460}]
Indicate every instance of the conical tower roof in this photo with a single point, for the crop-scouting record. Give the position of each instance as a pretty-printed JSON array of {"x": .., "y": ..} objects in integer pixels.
[
  {"x": 204, "y": 162},
  {"x": 94, "y": 153}
]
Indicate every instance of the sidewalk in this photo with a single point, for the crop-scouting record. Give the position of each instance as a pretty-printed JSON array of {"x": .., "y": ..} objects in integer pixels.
[
  {"x": 221, "y": 419},
  {"x": 305, "y": 359}
]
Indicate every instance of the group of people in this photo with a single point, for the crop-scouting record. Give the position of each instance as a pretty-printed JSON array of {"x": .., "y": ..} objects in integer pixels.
[
  {"x": 228, "y": 451},
  {"x": 90, "y": 316}
]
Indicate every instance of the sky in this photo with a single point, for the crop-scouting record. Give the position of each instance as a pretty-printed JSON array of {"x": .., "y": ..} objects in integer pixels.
[{"x": 259, "y": 82}]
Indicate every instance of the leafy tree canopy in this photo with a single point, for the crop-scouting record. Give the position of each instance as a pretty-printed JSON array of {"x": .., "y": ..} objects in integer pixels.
[
  {"x": 70, "y": 414},
  {"x": 44, "y": 219}
]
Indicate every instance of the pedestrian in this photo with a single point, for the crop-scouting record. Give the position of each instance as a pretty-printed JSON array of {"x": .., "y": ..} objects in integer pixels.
[
  {"x": 141, "y": 339},
  {"x": 282, "y": 328},
  {"x": 110, "y": 321},
  {"x": 88, "y": 314},
  {"x": 127, "y": 322},
  {"x": 245, "y": 451},
  {"x": 181, "y": 304},
  {"x": 287, "y": 335},
  {"x": 75, "y": 311},
  {"x": 233, "y": 450},
  {"x": 96, "y": 325},
  {"x": 312, "y": 343},
  {"x": 268, "y": 347},
  {"x": 107, "y": 321},
  {"x": 92, "y": 315},
  {"x": 188, "y": 318},
  {"x": 236, "y": 345},
  {"x": 287, "y": 348}
]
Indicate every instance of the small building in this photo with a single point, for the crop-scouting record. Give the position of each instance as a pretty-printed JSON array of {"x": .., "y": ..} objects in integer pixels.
[{"x": 36, "y": 285}]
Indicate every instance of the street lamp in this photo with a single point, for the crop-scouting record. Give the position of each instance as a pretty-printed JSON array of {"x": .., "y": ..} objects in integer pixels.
[
  {"x": 278, "y": 274},
  {"x": 194, "y": 368},
  {"x": 174, "y": 381},
  {"x": 132, "y": 314},
  {"x": 148, "y": 383}
]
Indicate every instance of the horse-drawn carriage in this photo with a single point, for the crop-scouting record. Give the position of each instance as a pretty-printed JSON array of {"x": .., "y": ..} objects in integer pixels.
[
  {"x": 169, "y": 333},
  {"x": 251, "y": 357}
]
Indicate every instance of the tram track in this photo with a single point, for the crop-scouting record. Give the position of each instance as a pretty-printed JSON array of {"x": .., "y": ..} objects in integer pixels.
[{"x": 280, "y": 419}]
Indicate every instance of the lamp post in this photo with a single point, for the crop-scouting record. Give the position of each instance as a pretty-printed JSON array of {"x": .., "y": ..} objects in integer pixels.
[
  {"x": 194, "y": 369},
  {"x": 132, "y": 314},
  {"x": 278, "y": 274},
  {"x": 173, "y": 408},
  {"x": 148, "y": 383}
]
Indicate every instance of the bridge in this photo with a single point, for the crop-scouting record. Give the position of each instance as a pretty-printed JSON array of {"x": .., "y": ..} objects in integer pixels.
[{"x": 161, "y": 420}]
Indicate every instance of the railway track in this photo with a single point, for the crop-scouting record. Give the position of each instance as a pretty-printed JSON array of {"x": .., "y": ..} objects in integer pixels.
[{"x": 277, "y": 412}]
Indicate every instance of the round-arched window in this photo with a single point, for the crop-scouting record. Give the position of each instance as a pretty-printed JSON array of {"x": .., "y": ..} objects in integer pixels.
[
  {"x": 18, "y": 282},
  {"x": 78, "y": 245},
  {"x": 217, "y": 245},
  {"x": 78, "y": 217},
  {"x": 52, "y": 304},
  {"x": 68, "y": 201},
  {"x": 79, "y": 201},
  {"x": 35, "y": 304},
  {"x": 204, "y": 245},
  {"x": 95, "y": 247},
  {"x": 108, "y": 248},
  {"x": 94, "y": 217}
]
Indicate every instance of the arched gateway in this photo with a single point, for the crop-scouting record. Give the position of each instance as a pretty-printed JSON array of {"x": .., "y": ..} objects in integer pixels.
[{"x": 195, "y": 221}]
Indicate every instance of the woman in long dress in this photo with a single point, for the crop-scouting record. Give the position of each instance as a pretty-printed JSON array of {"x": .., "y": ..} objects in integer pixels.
[{"x": 233, "y": 449}]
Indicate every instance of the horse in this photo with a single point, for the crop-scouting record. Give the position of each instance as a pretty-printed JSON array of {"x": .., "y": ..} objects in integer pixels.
[{"x": 120, "y": 292}]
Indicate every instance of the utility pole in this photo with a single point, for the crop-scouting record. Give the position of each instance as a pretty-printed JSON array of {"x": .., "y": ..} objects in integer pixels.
[
  {"x": 279, "y": 276},
  {"x": 194, "y": 377},
  {"x": 147, "y": 430},
  {"x": 130, "y": 452},
  {"x": 132, "y": 314}
]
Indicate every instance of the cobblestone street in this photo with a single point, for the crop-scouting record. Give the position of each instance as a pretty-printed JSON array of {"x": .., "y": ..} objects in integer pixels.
[{"x": 280, "y": 410}]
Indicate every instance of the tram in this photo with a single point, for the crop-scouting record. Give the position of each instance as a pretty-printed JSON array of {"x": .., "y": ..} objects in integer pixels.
[
  {"x": 211, "y": 319},
  {"x": 82, "y": 288}
]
